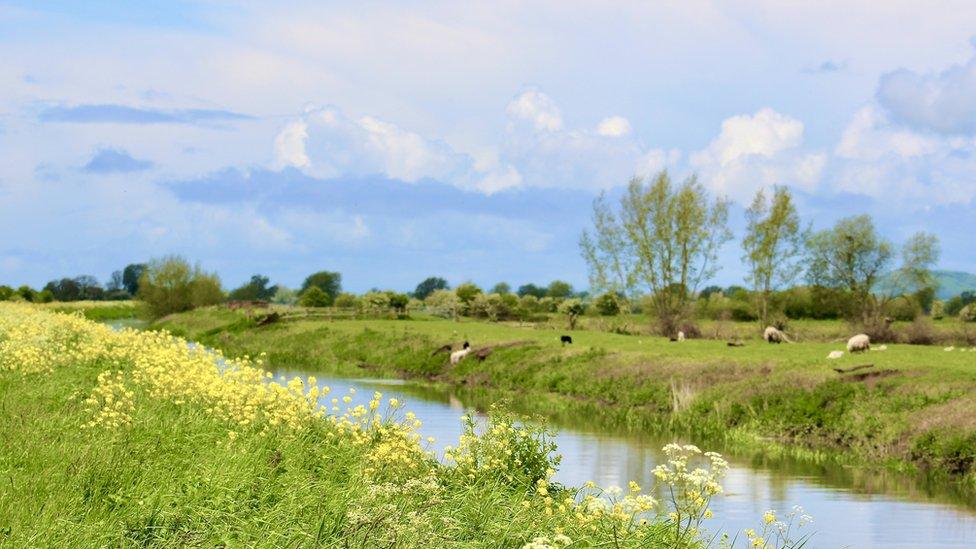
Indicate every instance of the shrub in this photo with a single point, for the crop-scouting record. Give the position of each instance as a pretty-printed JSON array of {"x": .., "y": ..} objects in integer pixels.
[
  {"x": 6, "y": 292},
  {"x": 938, "y": 310},
  {"x": 444, "y": 302},
  {"x": 920, "y": 332},
  {"x": 170, "y": 285},
  {"x": 573, "y": 308},
  {"x": 466, "y": 293},
  {"x": 44, "y": 296},
  {"x": 608, "y": 304},
  {"x": 375, "y": 302},
  {"x": 490, "y": 306},
  {"x": 398, "y": 301},
  {"x": 285, "y": 296},
  {"x": 968, "y": 313},
  {"x": 347, "y": 301},
  {"x": 314, "y": 297}
]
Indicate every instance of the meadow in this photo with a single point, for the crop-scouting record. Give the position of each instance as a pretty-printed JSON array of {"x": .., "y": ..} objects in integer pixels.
[
  {"x": 128, "y": 438},
  {"x": 908, "y": 411}
]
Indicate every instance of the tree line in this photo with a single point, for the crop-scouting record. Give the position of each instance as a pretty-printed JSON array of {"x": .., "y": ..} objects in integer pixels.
[{"x": 662, "y": 241}]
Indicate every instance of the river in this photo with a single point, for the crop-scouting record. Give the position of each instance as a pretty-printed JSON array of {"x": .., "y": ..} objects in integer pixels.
[{"x": 851, "y": 508}]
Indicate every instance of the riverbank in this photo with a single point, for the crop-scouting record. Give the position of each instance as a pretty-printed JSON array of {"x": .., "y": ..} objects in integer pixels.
[
  {"x": 909, "y": 411},
  {"x": 125, "y": 438}
]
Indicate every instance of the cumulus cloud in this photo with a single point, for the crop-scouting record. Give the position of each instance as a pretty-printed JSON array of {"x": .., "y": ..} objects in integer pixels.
[
  {"x": 115, "y": 161},
  {"x": 757, "y": 150},
  {"x": 536, "y": 108},
  {"x": 879, "y": 158},
  {"x": 943, "y": 102},
  {"x": 613, "y": 126}
]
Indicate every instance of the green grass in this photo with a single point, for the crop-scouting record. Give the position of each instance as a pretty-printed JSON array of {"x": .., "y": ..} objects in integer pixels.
[
  {"x": 917, "y": 416},
  {"x": 100, "y": 311}
]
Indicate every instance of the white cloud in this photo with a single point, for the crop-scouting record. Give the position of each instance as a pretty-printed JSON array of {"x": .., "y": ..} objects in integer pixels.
[
  {"x": 884, "y": 160},
  {"x": 758, "y": 150},
  {"x": 289, "y": 145},
  {"x": 943, "y": 102},
  {"x": 765, "y": 133},
  {"x": 537, "y": 108},
  {"x": 613, "y": 126}
]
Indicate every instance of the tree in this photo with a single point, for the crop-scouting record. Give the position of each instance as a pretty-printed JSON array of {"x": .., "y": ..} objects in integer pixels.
[
  {"x": 131, "y": 275},
  {"x": 28, "y": 293},
  {"x": 6, "y": 292},
  {"x": 115, "y": 282},
  {"x": 284, "y": 296},
  {"x": 852, "y": 256},
  {"x": 170, "y": 284},
  {"x": 573, "y": 308},
  {"x": 773, "y": 246},
  {"x": 466, "y": 293},
  {"x": 665, "y": 239},
  {"x": 327, "y": 281},
  {"x": 559, "y": 289},
  {"x": 66, "y": 289},
  {"x": 314, "y": 297},
  {"x": 429, "y": 286},
  {"x": 256, "y": 289},
  {"x": 531, "y": 289},
  {"x": 398, "y": 301},
  {"x": 346, "y": 301},
  {"x": 444, "y": 302},
  {"x": 502, "y": 288}
]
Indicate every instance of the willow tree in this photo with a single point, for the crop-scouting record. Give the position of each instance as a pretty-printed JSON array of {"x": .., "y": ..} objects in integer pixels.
[
  {"x": 663, "y": 239},
  {"x": 854, "y": 258},
  {"x": 773, "y": 246}
]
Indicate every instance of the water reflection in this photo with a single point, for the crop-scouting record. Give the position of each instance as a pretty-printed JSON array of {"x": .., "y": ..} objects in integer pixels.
[{"x": 851, "y": 507}]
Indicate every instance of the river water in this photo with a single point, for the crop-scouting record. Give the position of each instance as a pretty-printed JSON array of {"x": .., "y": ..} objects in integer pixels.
[{"x": 851, "y": 508}]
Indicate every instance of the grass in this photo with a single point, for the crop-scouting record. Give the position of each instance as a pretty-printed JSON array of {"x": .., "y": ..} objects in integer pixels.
[
  {"x": 915, "y": 415},
  {"x": 100, "y": 311},
  {"x": 186, "y": 467}
]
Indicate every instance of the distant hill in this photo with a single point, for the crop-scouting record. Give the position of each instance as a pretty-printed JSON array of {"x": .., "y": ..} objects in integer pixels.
[
  {"x": 953, "y": 283},
  {"x": 950, "y": 283}
]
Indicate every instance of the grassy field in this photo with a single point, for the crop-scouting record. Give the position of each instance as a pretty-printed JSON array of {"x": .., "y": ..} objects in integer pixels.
[
  {"x": 910, "y": 409},
  {"x": 129, "y": 439},
  {"x": 99, "y": 310}
]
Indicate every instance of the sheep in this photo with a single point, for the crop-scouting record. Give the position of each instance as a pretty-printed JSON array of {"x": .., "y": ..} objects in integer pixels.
[
  {"x": 834, "y": 355},
  {"x": 566, "y": 339},
  {"x": 456, "y": 356},
  {"x": 681, "y": 336},
  {"x": 859, "y": 343},
  {"x": 772, "y": 335}
]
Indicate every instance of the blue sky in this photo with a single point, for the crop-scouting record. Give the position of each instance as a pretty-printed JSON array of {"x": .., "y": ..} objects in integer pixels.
[{"x": 392, "y": 141}]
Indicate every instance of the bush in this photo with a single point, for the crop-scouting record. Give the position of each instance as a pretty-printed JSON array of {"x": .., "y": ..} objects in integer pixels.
[
  {"x": 608, "y": 304},
  {"x": 314, "y": 297},
  {"x": 466, "y": 293},
  {"x": 573, "y": 308},
  {"x": 285, "y": 296},
  {"x": 490, "y": 306},
  {"x": 444, "y": 302},
  {"x": 398, "y": 301},
  {"x": 920, "y": 332},
  {"x": 968, "y": 313},
  {"x": 904, "y": 308},
  {"x": 6, "y": 292},
  {"x": 170, "y": 285},
  {"x": 938, "y": 310},
  {"x": 347, "y": 301},
  {"x": 375, "y": 302}
]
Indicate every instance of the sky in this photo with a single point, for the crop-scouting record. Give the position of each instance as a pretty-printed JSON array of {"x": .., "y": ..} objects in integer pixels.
[{"x": 394, "y": 141}]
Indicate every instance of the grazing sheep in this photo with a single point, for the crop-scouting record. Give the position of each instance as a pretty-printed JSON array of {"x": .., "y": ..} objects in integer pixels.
[
  {"x": 456, "y": 356},
  {"x": 566, "y": 339},
  {"x": 681, "y": 336},
  {"x": 835, "y": 355},
  {"x": 858, "y": 343},
  {"x": 772, "y": 335}
]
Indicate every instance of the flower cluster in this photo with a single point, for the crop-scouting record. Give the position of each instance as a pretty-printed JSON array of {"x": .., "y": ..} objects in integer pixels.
[
  {"x": 111, "y": 403},
  {"x": 776, "y": 533}
]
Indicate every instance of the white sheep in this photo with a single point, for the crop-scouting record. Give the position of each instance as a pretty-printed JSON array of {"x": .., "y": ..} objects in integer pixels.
[
  {"x": 681, "y": 336},
  {"x": 858, "y": 343},
  {"x": 456, "y": 356},
  {"x": 772, "y": 335},
  {"x": 834, "y": 355}
]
